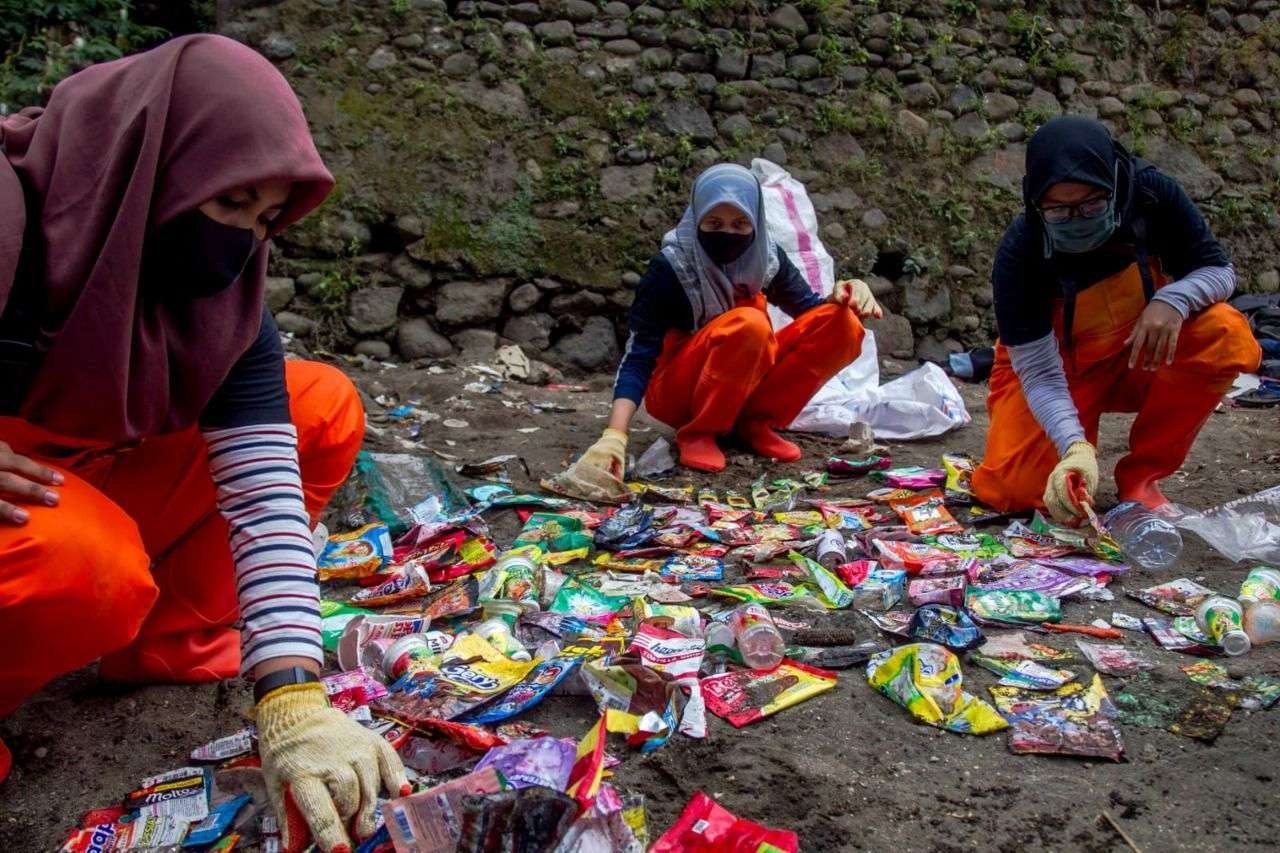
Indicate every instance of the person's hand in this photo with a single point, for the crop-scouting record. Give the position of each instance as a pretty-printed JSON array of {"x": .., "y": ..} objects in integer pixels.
[
  {"x": 856, "y": 294},
  {"x": 24, "y": 480},
  {"x": 327, "y": 765},
  {"x": 1156, "y": 333},
  {"x": 609, "y": 453},
  {"x": 1081, "y": 459}
]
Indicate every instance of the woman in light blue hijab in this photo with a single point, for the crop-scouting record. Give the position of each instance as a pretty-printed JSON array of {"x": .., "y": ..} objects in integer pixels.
[{"x": 702, "y": 354}]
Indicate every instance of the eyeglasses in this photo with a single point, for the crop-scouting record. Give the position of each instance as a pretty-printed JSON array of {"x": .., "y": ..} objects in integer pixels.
[{"x": 1086, "y": 209}]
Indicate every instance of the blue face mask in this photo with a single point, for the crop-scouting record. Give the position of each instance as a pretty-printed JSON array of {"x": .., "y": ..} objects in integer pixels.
[{"x": 1081, "y": 234}]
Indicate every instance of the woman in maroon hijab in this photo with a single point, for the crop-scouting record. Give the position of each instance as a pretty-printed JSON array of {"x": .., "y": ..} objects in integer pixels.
[{"x": 161, "y": 466}]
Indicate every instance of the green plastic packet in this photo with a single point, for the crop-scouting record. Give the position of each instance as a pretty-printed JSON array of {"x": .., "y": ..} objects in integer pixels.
[
  {"x": 334, "y": 616},
  {"x": 770, "y": 592},
  {"x": 587, "y": 602},
  {"x": 552, "y": 532},
  {"x": 1014, "y": 606},
  {"x": 832, "y": 591}
]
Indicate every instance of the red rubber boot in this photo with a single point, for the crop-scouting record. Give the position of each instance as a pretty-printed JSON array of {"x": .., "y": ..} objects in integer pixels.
[
  {"x": 767, "y": 443},
  {"x": 1161, "y": 437}
]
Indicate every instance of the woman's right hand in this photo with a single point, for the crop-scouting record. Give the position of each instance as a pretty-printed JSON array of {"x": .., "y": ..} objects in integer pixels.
[
  {"x": 24, "y": 480},
  {"x": 608, "y": 454}
]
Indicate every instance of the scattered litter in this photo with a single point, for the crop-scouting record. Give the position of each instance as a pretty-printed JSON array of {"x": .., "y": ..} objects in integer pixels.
[
  {"x": 925, "y": 679},
  {"x": 1073, "y": 720},
  {"x": 1206, "y": 715},
  {"x": 1113, "y": 660},
  {"x": 656, "y": 461}
]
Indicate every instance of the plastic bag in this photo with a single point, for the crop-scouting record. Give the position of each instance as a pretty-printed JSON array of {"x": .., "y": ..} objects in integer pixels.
[
  {"x": 1243, "y": 529},
  {"x": 405, "y": 489},
  {"x": 926, "y": 680},
  {"x": 921, "y": 404},
  {"x": 655, "y": 461},
  {"x": 707, "y": 827}
]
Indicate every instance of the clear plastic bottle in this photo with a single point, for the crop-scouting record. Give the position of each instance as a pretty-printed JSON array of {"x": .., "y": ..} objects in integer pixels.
[
  {"x": 831, "y": 550},
  {"x": 719, "y": 638},
  {"x": 759, "y": 643},
  {"x": 1262, "y": 621},
  {"x": 1147, "y": 539}
]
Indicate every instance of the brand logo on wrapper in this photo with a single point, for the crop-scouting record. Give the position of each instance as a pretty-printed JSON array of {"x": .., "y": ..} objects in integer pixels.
[
  {"x": 466, "y": 675},
  {"x": 103, "y": 839}
]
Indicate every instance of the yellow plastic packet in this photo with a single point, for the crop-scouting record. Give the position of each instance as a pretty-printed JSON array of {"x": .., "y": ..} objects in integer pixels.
[
  {"x": 475, "y": 665},
  {"x": 560, "y": 558},
  {"x": 926, "y": 679}
]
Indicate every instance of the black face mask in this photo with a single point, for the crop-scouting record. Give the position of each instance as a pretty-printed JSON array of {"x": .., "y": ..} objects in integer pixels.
[
  {"x": 724, "y": 247},
  {"x": 195, "y": 256}
]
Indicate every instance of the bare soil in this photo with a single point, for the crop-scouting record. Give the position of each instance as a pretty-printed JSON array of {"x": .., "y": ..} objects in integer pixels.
[{"x": 847, "y": 770}]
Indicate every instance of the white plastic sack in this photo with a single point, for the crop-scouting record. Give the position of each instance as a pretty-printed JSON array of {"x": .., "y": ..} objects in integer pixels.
[{"x": 923, "y": 403}]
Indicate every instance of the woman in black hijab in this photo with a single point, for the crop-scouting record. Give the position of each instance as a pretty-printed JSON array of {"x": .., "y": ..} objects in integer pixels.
[{"x": 1109, "y": 292}]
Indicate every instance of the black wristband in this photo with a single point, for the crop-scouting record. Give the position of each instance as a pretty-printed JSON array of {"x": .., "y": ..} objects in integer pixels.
[{"x": 282, "y": 678}]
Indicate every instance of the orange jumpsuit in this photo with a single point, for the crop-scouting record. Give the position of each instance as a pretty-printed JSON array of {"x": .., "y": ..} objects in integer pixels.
[
  {"x": 134, "y": 566},
  {"x": 1173, "y": 402},
  {"x": 735, "y": 369}
]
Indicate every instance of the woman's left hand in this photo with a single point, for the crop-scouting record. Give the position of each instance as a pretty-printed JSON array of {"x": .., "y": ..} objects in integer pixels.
[
  {"x": 854, "y": 293},
  {"x": 1157, "y": 334}
]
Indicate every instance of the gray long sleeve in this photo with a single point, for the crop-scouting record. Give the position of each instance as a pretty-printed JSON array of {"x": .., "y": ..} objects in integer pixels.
[
  {"x": 1199, "y": 289},
  {"x": 1044, "y": 385}
]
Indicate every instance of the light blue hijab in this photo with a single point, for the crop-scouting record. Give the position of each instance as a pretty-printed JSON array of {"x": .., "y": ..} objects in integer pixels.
[{"x": 713, "y": 289}]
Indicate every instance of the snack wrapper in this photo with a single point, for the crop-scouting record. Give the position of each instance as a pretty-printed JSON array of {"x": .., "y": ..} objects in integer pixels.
[
  {"x": 882, "y": 589},
  {"x": 525, "y": 763},
  {"x": 778, "y": 592},
  {"x": 937, "y": 589},
  {"x": 707, "y": 827},
  {"x": 981, "y": 546},
  {"x": 926, "y": 514},
  {"x": 1178, "y": 597},
  {"x": 358, "y": 554},
  {"x": 959, "y": 483},
  {"x": 1012, "y": 606},
  {"x": 680, "y": 657},
  {"x": 588, "y": 602},
  {"x": 843, "y": 467},
  {"x": 693, "y": 567},
  {"x": 926, "y": 680},
  {"x": 911, "y": 557},
  {"x": 1075, "y": 719},
  {"x": 945, "y": 626},
  {"x": 1113, "y": 659},
  {"x": 410, "y": 584},
  {"x": 911, "y": 477},
  {"x": 537, "y": 684},
  {"x": 748, "y": 695},
  {"x": 1026, "y": 674},
  {"x": 831, "y": 590},
  {"x": 473, "y": 664}
]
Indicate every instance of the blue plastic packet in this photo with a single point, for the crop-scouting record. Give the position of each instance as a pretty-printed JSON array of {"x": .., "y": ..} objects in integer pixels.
[
  {"x": 540, "y": 681},
  {"x": 217, "y": 823}
]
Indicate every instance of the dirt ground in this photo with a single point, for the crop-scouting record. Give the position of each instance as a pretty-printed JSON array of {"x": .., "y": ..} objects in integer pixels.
[{"x": 847, "y": 770}]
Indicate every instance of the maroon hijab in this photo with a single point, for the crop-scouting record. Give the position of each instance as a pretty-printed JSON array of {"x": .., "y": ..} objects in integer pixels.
[{"x": 122, "y": 148}]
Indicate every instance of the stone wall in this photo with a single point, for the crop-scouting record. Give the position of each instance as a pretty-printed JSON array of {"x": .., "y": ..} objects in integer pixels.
[{"x": 508, "y": 168}]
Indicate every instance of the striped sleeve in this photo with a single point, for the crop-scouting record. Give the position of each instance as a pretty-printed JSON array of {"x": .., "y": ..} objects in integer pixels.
[{"x": 259, "y": 493}]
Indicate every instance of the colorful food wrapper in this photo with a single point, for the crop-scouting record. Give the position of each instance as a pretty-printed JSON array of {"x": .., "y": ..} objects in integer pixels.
[
  {"x": 529, "y": 762},
  {"x": 707, "y": 827},
  {"x": 475, "y": 665},
  {"x": 959, "y": 470},
  {"x": 1013, "y": 645},
  {"x": 352, "y": 689},
  {"x": 937, "y": 589},
  {"x": 1073, "y": 720},
  {"x": 895, "y": 622},
  {"x": 537, "y": 684},
  {"x": 587, "y": 602},
  {"x": 1206, "y": 715},
  {"x": 428, "y": 820},
  {"x": 946, "y": 626},
  {"x": 358, "y": 554},
  {"x": 408, "y": 585},
  {"x": 182, "y": 794},
  {"x": 982, "y": 546},
  {"x": 748, "y": 695},
  {"x": 1112, "y": 659},
  {"x": 672, "y": 617},
  {"x": 926, "y": 514},
  {"x": 1026, "y": 674},
  {"x": 632, "y": 565},
  {"x": 831, "y": 590},
  {"x": 801, "y": 518},
  {"x": 926, "y": 680},
  {"x": 1178, "y": 597},
  {"x": 1085, "y": 566},
  {"x": 768, "y": 593},
  {"x": 692, "y": 567},
  {"x": 334, "y": 618},
  {"x": 843, "y": 467},
  {"x": 789, "y": 572},
  {"x": 629, "y": 527},
  {"x": 552, "y": 532},
  {"x": 911, "y": 557},
  {"x": 638, "y": 701},
  {"x": 680, "y": 657},
  {"x": 1126, "y": 622},
  {"x": 911, "y": 477},
  {"x": 1012, "y": 606},
  {"x": 1174, "y": 640},
  {"x": 855, "y": 572},
  {"x": 1256, "y": 691},
  {"x": 1028, "y": 575}
]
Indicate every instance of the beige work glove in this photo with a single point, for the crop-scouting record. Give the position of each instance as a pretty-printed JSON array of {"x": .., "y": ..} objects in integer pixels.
[
  {"x": 597, "y": 475},
  {"x": 327, "y": 765},
  {"x": 856, "y": 294},
  {"x": 1081, "y": 459}
]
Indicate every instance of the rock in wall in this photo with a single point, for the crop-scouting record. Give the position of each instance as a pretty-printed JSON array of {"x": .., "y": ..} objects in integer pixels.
[{"x": 510, "y": 167}]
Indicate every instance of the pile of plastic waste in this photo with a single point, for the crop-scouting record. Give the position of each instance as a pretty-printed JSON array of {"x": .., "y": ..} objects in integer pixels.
[{"x": 688, "y": 604}]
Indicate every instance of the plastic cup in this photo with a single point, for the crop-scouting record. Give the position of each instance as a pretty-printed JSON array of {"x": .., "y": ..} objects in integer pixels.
[{"x": 1260, "y": 584}]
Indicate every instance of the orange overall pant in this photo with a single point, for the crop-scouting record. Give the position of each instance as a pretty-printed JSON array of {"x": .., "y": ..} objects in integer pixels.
[
  {"x": 1173, "y": 402},
  {"x": 735, "y": 370},
  {"x": 134, "y": 566}
]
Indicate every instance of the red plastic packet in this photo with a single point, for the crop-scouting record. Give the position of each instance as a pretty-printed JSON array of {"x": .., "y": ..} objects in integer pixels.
[
  {"x": 705, "y": 825},
  {"x": 856, "y": 571},
  {"x": 926, "y": 514}
]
